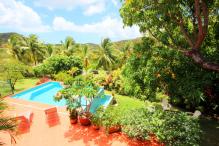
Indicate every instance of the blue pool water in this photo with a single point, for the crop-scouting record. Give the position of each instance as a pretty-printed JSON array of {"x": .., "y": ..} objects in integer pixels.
[{"x": 45, "y": 93}]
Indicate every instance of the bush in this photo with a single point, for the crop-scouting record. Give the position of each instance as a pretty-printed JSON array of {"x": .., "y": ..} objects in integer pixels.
[
  {"x": 56, "y": 64},
  {"x": 62, "y": 76},
  {"x": 172, "y": 128}
]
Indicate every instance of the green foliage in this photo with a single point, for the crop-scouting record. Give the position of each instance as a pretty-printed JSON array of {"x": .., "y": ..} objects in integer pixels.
[
  {"x": 111, "y": 117},
  {"x": 97, "y": 117},
  {"x": 106, "y": 57},
  {"x": 12, "y": 72},
  {"x": 152, "y": 69},
  {"x": 82, "y": 86},
  {"x": 182, "y": 26},
  {"x": 7, "y": 124},
  {"x": 62, "y": 76},
  {"x": 172, "y": 128},
  {"x": 100, "y": 78},
  {"x": 55, "y": 64}
]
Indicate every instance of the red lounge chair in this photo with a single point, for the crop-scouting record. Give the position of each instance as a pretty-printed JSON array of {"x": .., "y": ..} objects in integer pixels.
[
  {"x": 52, "y": 117},
  {"x": 24, "y": 122}
]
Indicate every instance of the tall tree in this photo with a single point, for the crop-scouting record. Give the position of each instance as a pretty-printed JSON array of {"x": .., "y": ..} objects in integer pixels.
[
  {"x": 16, "y": 42},
  {"x": 181, "y": 25},
  {"x": 67, "y": 45},
  {"x": 106, "y": 56},
  {"x": 36, "y": 48},
  {"x": 85, "y": 57}
]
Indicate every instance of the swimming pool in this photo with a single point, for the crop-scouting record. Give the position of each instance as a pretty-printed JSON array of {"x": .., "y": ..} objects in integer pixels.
[{"x": 45, "y": 93}]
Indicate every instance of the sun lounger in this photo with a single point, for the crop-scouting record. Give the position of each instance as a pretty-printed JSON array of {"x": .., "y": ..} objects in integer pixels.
[
  {"x": 52, "y": 117},
  {"x": 24, "y": 122}
]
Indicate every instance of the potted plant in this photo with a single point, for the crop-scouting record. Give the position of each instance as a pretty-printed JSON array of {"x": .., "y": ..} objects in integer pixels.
[
  {"x": 73, "y": 116},
  {"x": 72, "y": 106},
  {"x": 85, "y": 118},
  {"x": 96, "y": 118},
  {"x": 111, "y": 120}
]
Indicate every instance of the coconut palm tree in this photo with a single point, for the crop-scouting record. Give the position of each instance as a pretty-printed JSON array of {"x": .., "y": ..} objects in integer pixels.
[
  {"x": 67, "y": 46},
  {"x": 106, "y": 56},
  {"x": 85, "y": 57},
  {"x": 16, "y": 49},
  {"x": 36, "y": 49}
]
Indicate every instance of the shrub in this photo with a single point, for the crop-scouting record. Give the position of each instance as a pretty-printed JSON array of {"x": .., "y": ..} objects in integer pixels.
[
  {"x": 111, "y": 117},
  {"x": 62, "y": 76},
  {"x": 172, "y": 128},
  {"x": 56, "y": 64}
]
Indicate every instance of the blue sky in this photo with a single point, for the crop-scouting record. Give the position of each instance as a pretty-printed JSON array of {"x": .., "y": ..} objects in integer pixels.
[{"x": 87, "y": 21}]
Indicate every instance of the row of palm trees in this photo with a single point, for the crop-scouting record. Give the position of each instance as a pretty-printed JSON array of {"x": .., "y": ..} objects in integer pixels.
[{"x": 30, "y": 50}]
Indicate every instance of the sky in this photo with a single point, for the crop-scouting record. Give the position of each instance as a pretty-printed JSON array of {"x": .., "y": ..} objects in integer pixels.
[{"x": 87, "y": 21}]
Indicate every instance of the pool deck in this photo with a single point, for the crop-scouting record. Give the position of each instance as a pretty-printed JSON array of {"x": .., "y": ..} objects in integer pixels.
[{"x": 64, "y": 134}]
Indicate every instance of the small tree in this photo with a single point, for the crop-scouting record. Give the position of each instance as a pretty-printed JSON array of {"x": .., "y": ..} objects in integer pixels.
[
  {"x": 12, "y": 72},
  {"x": 83, "y": 86}
]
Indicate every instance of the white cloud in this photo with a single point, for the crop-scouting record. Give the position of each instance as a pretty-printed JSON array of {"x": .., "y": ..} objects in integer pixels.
[
  {"x": 95, "y": 9},
  {"x": 63, "y": 4},
  {"x": 108, "y": 27},
  {"x": 16, "y": 15},
  {"x": 89, "y": 7}
]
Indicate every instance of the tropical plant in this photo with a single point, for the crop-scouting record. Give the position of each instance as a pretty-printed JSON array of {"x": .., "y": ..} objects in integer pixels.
[
  {"x": 16, "y": 44},
  {"x": 96, "y": 118},
  {"x": 111, "y": 117},
  {"x": 68, "y": 46},
  {"x": 36, "y": 49},
  {"x": 171, "y": 128},
  {"x": 106, "y": 57},
  {"x": 6, "y": 123},
  {"x": 62, "y": 76},
  {"x": 82, "y": 86},
  {"x": 182, "y": 26}
]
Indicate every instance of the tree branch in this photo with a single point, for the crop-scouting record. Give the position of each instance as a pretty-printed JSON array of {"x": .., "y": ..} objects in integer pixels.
[{"x": 202, "y": 30}]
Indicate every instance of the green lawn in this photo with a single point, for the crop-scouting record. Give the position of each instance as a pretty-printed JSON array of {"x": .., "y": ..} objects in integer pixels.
[
  {"x": 19, "y": 86},
  {"x": 126, "y": 103}
]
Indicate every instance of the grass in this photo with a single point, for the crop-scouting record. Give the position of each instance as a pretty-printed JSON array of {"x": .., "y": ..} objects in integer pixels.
[
  {"x": 19, "y": 86},
  {"x": 126, "y": 103}
]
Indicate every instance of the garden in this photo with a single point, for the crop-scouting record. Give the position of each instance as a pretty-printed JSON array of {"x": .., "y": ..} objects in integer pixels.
[{"x": 154, "y": 84}]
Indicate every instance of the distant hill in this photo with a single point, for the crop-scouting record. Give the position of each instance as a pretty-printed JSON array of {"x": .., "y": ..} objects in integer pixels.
[
  {"x": 121, "y": 44},
  {"x": 5, "y": 36}
]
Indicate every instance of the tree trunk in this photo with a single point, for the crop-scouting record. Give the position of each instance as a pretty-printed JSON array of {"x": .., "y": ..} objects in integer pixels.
[{"x": 196, "y": 56}]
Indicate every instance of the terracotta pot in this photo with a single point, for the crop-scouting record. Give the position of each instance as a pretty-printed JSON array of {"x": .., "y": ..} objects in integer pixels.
[
  {"x": 114, "y": 129},
  {"x": 95, "y": 127},
  {"x": 73, "y": 121},
  {"x": 84, "y": 121}
]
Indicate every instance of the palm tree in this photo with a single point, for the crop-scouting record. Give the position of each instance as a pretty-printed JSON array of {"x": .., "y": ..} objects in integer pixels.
[
  {"x": 36, "y": 48},
  {"x": 106, "y": 57},
  {"x": 6, "y": 123},
  {"x": 85, "y": 57},
  {"x": 16, "y": 43},
  {"x": 67, "y": 45}
]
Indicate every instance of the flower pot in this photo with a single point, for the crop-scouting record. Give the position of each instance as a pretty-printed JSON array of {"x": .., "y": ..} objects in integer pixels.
[
  {"x": 84, "y": 121},
  {"x": 73, "y": 121},
  {"x": 95, "y": 127},
  {"x": 114, "y": 129}
]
